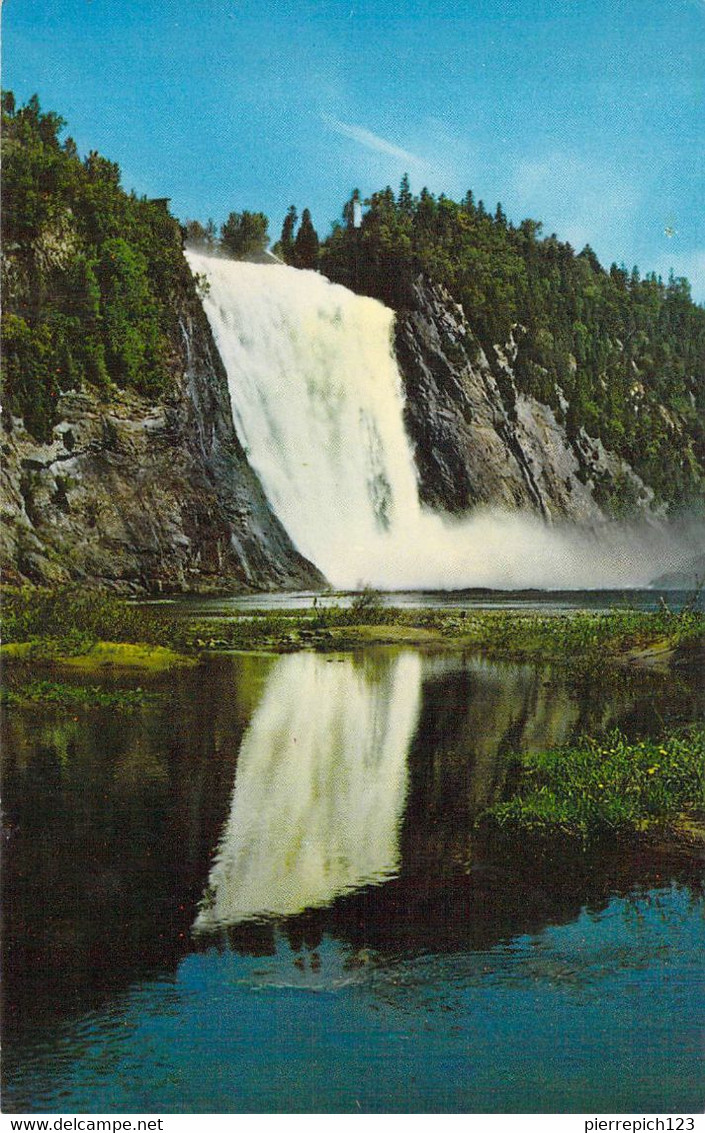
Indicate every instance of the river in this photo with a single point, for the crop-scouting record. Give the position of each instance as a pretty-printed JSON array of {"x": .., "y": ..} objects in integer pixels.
[{"x": 262, "y": 891}]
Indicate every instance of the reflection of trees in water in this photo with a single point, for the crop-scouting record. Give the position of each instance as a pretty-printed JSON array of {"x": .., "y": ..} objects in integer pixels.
[
  {"x": 113, "y": 821},
  {"x": 505, "y": 894},
  {"x": 112, "y": 818},
  {"x": 422, "y": 949},
  {"x": 453, "y": 892},
  {"x": 621, "y": 932},
  {"x": 476, "y": 717},
  {"x": 473, "y": 719}
]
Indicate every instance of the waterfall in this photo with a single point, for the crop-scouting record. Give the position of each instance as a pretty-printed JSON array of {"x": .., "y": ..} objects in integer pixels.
[
  {"x": 320, "y": 787},
  {"x": 317, "y": 402}
]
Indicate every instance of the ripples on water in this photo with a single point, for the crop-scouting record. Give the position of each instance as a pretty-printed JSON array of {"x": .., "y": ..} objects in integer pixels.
[{"x": 266, "y": 896}]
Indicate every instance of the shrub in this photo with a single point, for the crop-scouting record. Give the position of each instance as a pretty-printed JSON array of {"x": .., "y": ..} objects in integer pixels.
[{"x": 605, "y": 786}]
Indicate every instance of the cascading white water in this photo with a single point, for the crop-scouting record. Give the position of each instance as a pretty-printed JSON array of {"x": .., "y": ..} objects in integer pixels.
[
  {"x": 316, "y": 401},
  {"x": 318, "y": 406},
  {"x": 320, "y": 787}
]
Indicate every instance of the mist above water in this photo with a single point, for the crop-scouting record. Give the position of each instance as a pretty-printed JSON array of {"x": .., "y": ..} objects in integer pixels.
[{"x": 317, "y": 403}]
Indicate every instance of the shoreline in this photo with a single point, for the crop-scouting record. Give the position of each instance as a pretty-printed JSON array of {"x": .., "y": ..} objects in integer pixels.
[{"x": 61, "y": 643}]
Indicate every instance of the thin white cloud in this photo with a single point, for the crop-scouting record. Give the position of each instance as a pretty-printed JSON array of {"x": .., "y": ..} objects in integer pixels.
[{"x": 372, "y": 141}]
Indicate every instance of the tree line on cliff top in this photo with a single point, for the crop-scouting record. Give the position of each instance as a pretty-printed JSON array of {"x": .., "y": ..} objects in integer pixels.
[
  {"x": 621, "y": 356},
  {"x": 92, "y": 277},
  {"x": 245, "y": 235}
]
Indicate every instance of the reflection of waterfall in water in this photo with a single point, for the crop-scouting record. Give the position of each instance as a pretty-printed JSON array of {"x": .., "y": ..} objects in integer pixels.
[
  {"x": 318, "y": 405},
  {"x": 319, "y": 789}
]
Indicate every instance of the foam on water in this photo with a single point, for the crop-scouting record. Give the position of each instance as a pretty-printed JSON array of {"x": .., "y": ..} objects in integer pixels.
[{"x": 317, "y": 402}]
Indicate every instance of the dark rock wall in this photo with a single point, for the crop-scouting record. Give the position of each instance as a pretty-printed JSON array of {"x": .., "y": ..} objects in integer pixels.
[
  {"x": 477, "y": 440},
  {"x": 141, "y": 496}
]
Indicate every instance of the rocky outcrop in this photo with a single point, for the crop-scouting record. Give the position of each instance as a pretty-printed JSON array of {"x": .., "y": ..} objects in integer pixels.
[
  {"x": 477, "y": 440},
  {"x": 145, "y": 497}
]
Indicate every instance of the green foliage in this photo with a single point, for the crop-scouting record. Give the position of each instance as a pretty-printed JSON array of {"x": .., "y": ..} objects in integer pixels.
[
  {"x": 367, "y": 601},
  {"x": 134, "y": 341},
  {"x": 585, "y": 641},
  {"x": 203, "y": 286},
  {"x": 29, "y": 378},
  {"x": 285, "y": 247},
  {"x": 244, "y": 234},
  {"x": 68, "y": 621},
  {"x": 74, "y": 696},
  {"x": 628, "y": 354},
  {"x": 201, "y": 235},
  {"x": 75, "y": 620},
  {"x": 90, "y": 273},
  {"x": 602, "y": 787},
  {"x": 305, "y": 254},
  {"x": 300, "y": 249}
]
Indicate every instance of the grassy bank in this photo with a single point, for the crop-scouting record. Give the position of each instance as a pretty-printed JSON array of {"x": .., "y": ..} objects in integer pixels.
[
  {"x": 585, "y": 640},
  {"x": 599, "y": 788},
  {"x": 72, "y": 697},
  {"x": 606, "y": 788},
  {"x": 66, "y": 623}
]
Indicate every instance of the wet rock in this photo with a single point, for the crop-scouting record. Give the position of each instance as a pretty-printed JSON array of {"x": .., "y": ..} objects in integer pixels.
[
  {"x": 144, "y": 497},
  {"x": 478, "y": 440}
]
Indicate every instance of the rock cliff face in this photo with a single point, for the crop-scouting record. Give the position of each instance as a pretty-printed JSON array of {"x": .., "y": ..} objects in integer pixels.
[
  {"x": 149, "y": 497},
  {"x": 141, "y": 496},
  {"x": 477, "y": 440}
]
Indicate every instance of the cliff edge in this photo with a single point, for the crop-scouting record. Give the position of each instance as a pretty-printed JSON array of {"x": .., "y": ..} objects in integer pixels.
[{"x": 478, "y": 440}]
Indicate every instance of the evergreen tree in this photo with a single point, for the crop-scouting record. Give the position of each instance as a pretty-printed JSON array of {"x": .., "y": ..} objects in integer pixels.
[
  {"x": 627, "y": 354},
  {"x": 285, "y": 247},
  {"x": 202, "y": 236},
  {"x": 244, "y": 234},
  {"x": 306, "y": 244},
  {"x": 104, "y": 310},
  {"x": 194, "y": 232},
  {"x": 589, "y": 256},
  {"x": 211, "y": 233},
  {"x": 406, "y": 199}
]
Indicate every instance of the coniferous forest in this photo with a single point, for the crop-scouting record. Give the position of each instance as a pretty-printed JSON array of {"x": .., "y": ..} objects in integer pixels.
[
  {"x": 91, "y": 273},
  {"x": 626, "y": 353}
]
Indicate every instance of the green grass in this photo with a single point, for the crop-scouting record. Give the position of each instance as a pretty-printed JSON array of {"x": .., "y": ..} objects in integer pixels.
[
  {"x": 104, "y": 655},
  {"x": 59, "y": 695},
  {"x": 605, "y": 787},
  {"x": 75, "y": 619},
  {"x": 98, "y": 656},
  {"x": 585, "y": 638},
  {"x": 69, "y": 622},
  {"x": 590, "y": 636}
]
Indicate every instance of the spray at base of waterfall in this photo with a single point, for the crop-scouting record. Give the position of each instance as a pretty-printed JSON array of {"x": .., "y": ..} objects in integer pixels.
[{"x": 318, "y": 402}]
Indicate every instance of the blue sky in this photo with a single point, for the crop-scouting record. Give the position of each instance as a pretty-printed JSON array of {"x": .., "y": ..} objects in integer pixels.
[{"x": 586, "y": 114}]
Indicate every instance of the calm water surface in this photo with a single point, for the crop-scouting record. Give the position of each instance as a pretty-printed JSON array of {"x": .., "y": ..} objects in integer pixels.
[
  {"x": 545, "y": 601},
  {"x": 262, "y": 893}
]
